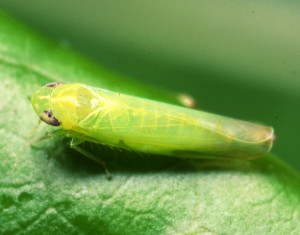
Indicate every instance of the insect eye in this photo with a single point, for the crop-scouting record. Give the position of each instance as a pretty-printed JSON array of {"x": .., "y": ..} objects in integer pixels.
[
  {"x": 48, "y": 117},
  {"x": 53, "y": 84}
]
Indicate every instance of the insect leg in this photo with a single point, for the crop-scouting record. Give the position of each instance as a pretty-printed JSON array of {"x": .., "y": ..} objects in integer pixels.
[
  {"x": 74, "y": 145},
  {"x": 35, "y": 129},
  {"x": 48, "y": 135}
]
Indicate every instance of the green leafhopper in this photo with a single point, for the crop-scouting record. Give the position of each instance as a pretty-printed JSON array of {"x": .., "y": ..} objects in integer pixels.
[{"x": 86, "y": 113}]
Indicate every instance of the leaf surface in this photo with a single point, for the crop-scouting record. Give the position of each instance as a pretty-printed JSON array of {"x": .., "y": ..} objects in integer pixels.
[{"x": 48, "y": 188}]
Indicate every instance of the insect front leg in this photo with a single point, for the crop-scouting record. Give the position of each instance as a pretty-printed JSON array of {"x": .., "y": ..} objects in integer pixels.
[
  {"x": 74, "y": 145},
  {"x": 48, "y": 135}
]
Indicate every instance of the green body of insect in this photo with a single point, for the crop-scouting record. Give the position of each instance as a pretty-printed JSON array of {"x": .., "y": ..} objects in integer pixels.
[{"x": 118, "y": 120}]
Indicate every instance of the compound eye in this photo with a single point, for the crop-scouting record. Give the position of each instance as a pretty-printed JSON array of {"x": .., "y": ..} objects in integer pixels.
[
  {"x": 53, "y": 84},
  {"x": 48, "y": 117}
]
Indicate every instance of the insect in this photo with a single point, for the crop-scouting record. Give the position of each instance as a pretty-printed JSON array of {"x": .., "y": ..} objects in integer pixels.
[{"x": 85, "y": 113}]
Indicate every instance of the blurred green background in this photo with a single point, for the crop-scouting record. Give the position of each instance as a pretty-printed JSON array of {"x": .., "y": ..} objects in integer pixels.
[{"x": 237, "y": 58}]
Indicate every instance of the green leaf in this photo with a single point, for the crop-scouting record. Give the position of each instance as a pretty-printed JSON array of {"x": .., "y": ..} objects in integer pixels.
[{"x": 48, "y": 188}]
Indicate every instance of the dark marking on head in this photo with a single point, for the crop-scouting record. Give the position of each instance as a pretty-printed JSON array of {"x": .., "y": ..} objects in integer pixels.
[
  {"x": 48, "y": 117},
  {"x": 53, "y": 84}
]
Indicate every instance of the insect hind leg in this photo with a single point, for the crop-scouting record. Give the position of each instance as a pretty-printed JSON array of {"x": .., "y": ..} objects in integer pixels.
[{"x": 74, "y": 145}]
